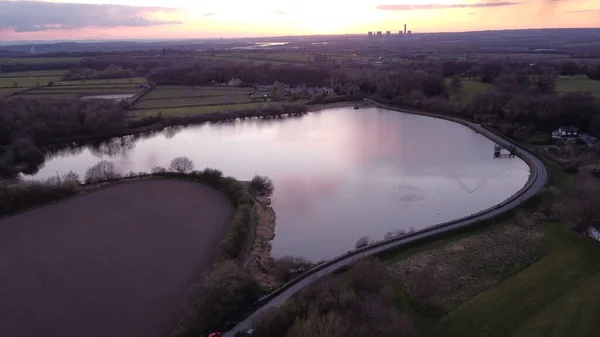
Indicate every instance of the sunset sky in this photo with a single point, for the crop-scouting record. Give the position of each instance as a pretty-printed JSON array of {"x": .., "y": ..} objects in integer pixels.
[{"x": 161, "y": 19}]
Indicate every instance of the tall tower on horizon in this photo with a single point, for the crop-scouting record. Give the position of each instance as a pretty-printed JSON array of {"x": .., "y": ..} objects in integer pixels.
[{"x": 405, "y": 29}]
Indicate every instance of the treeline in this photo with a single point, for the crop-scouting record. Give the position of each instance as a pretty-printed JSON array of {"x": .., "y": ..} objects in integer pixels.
[
  {"x": 45, "y": 121},
  {"x": 27, "y": 125},
  {"x": 201, "y": 73},
  {"x": 223, "y": 116},
  {"x": 357, "y": 303},
  {"x": 112, "y": 72},
  {"x": 9, "y": 67}
]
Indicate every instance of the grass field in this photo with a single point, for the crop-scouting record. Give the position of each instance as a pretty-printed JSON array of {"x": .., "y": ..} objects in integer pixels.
[
  {"x": 128, "y": 81},
  {"x": 470, "y": 88},
  {"x": 171, "y": 91},
  {"x": 194, "y": 110},
  {"x": 40, "y": 73},
  {"x": 26, "y": 82},
  {"x": 557, "y": 296},
  {"x": 39, "y": 60},
  {"x": 566, "y": 84},
  {"x": 5, "y": 92},
  {"x": 180, "y": 102}
]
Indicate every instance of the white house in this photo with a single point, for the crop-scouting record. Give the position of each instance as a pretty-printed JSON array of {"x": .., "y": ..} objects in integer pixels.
[{"x": 566, "y": 132}]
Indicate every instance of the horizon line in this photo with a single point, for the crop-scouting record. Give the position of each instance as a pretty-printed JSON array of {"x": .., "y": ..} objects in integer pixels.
[{"x": 102, "y": 40}]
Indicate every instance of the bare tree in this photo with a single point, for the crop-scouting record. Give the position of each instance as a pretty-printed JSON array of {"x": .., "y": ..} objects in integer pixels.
[
  {"x": 182, "y": 165},
  {"x": 71, "y": 177},
  {"x": 158, "y": 169},
  {"x": 102, "y": 171},
  {"x": 582, "y": 206}
]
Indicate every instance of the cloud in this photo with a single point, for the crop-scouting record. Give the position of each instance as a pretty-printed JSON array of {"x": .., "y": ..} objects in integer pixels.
[
  {"x": 280, "y": 12},
  {"x": 210, "y": 14},
  {"x": 443, "y": 6},
  {"x": 33, "y": 16},
  {"x": 585, "y": 11}
]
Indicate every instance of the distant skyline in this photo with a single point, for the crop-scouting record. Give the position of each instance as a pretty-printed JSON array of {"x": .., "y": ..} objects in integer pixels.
[{"x": 160, "y": 19}]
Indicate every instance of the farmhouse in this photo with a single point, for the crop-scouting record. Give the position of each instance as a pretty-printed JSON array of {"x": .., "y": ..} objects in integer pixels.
[{"x": 566, "y": 132}]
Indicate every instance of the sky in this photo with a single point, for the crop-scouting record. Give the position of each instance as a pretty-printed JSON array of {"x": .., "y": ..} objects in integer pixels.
[{"x": 173, "y": 19}]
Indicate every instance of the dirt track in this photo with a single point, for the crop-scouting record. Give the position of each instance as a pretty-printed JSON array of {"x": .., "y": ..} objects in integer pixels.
[{"x": 117, "y": 262}]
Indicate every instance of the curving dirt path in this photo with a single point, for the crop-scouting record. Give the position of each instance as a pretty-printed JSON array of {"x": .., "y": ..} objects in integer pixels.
[{"x": 115, "y": 262}]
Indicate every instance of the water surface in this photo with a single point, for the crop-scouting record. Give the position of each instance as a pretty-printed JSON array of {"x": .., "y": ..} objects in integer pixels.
[{"x": 339, "y": 174}]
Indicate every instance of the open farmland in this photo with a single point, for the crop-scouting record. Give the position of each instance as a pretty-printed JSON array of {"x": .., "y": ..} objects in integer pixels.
[
  {"x": 5, "y": 92},
  {"x": 74, "y": 89},
  {"x": 203, "y": 109},
  {"x": 26, "y": 82},
  {"x": 119, "y": 261},
  {"x": 39, "y": 73},
  {"x": 566, "y": 84},
  {"x": 102, "y": 82},
  {"x": 39, "y": 60},
  {"x": 178, "y": 100}
]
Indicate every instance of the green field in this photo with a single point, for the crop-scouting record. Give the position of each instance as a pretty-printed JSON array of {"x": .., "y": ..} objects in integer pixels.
[
  {"x": 181, "y": 102},
  {"x": 5, "y": 92},
  {"x": 194, "y": 110},
  {"x": 557, "y": 296},
  {"x": 171, "y": 91},
  {"x": 39, "y": 60},
  {"x": 26, "y": 82},
  {"x": 186, "y": 99},
  {"x": 566, "y": 84},
  {"x": 470, "y": 88},
  {"x": 40, "y": 73},
  {"x": 129, "y": 81}
]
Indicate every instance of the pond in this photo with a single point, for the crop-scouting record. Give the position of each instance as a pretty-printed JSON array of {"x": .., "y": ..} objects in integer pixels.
[{"x": 340, "y": 174}]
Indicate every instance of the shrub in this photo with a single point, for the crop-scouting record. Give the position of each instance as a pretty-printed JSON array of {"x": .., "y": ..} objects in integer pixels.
[
  {"x": 26, "y": 152},
  {"x": 362, "y": 242},
  {"x": 287, "y": 267},
  {"x": 24, "y": 195},
  {"x": 181, "y": 165},
  {"x": 158, "y": 169},
  {"x": 103, "y": 171},
  {"x": 235, "y": 239},
  {"x": 262, "y": 186},
  {"x": 226, "y": 294}
]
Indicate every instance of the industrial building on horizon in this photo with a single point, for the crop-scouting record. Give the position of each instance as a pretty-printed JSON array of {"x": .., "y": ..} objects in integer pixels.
[{"x": 378, "y": 34}]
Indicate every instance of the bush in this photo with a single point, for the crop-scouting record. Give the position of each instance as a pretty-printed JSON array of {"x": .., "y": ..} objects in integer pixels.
[
  {"x": 288, "y": 267},
  {"x": 26, "y": 152},
  {"x": 262, "y": 186},
  {"x": 353, "y": 304},
  {"x": 24, "y": 195},
  {"x": 158, "y": 169},
  {"x": 103, "y": 171},
  {"x": 234, "y": 241},
  {"x": 362, "y": 242},
  {"x": 226, "y": 294}
]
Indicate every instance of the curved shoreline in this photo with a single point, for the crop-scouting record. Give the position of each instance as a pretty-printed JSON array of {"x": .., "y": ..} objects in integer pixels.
[{"x": 537, "y": 180}]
